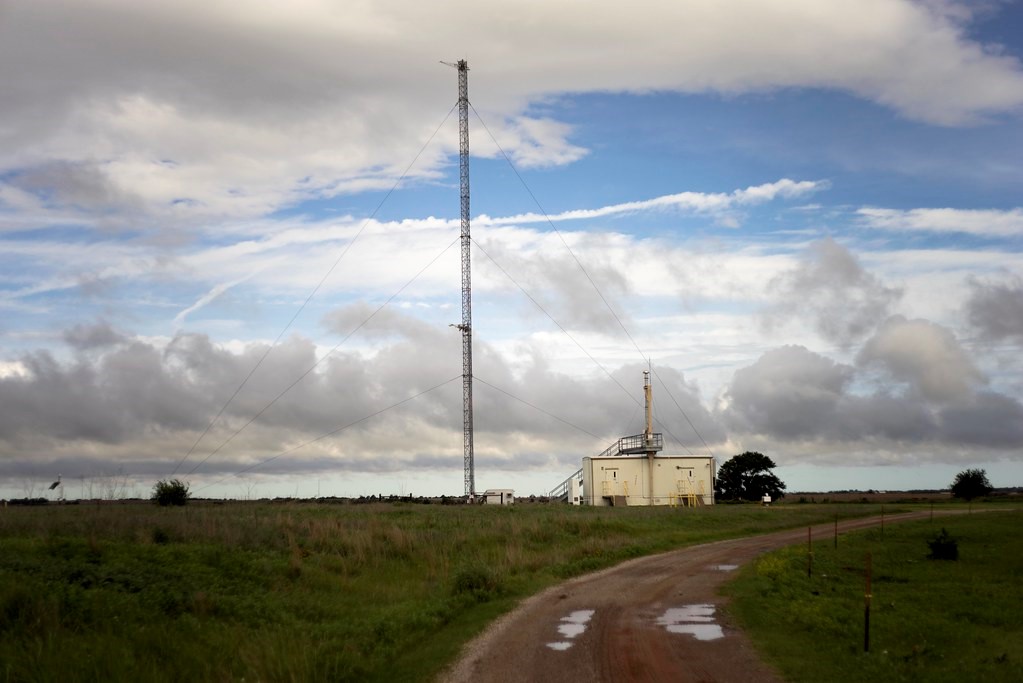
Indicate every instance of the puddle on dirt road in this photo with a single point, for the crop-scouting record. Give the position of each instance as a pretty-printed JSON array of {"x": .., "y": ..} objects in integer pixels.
[
  {"x": 725, "y": 567},
  {"x": 693, "y": 620},
  {"x": 698, "y": 613},
  {"x": 572, "y": 626}
]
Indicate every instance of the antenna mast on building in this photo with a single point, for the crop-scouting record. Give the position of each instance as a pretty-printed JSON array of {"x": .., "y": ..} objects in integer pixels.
[{"x": 466, "y": 326}]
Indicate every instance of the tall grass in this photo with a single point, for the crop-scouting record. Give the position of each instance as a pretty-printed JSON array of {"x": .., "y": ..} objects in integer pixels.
[{"x": 304, "y": 591}]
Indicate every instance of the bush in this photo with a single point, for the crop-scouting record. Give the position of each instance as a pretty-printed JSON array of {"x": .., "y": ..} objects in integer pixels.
[
  {"x": 943, "y": 547},
  {"x": 172, "y": 492},
  {"x": 478, "y": 581}
]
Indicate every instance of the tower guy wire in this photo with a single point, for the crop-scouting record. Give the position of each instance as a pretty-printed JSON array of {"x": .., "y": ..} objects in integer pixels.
[
  {"x": 585, "y": 272},
  {"x": 302, "y": 307}
]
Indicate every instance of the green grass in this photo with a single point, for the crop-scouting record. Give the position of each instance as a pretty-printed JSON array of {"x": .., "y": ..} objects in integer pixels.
[
  {"x": 931, "y": 620},
  {"x": 304, "y": 592}
]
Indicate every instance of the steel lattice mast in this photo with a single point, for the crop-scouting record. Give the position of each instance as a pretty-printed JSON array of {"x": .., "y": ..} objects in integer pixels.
[{"x": 466, "y": 326}]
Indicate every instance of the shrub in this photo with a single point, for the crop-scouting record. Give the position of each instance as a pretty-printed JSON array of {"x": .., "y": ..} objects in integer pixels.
[
  {"x": 943, "y": 547},
  {"x": 478, "y": 581},
  {"x": 171, "y": 492}
]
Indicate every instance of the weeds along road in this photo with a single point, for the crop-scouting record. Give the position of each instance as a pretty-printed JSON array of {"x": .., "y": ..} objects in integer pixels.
[{"x": 654, "y": 618}]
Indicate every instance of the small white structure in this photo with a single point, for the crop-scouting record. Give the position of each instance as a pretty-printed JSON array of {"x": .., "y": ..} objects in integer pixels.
[{"x": 499, "y": 496}]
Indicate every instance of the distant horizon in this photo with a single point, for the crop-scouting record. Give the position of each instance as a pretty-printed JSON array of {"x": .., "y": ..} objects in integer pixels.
[{"x": 230, "y": 253}]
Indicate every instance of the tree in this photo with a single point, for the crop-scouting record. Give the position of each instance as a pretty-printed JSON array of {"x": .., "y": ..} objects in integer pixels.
[
  {"x": 748, "y": 476},
  {"x": 171, "y": 492},
  {"x": 970, "y": 484}
]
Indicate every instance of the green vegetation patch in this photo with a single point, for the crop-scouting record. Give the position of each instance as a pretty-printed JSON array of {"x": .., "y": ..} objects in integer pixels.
[
  {"x": 931, "y": 619},
  {"x": 304, "y": 592}
]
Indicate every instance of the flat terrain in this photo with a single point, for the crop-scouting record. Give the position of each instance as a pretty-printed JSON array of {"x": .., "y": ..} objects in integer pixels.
[
  {"x": 655, "y": 618},
  {"x": 932, "y": 620},
  {"x": 306, "y": 591}
]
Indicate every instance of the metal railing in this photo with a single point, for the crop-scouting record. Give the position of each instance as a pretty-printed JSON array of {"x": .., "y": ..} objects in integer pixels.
[
  {"x": 638, "y": 443},
  {"x": 561, "y": 490}
]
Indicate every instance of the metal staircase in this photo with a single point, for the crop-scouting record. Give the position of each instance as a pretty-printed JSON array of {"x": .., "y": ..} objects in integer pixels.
[
  {"x": 560, "y": 492},
  {"x": 687, "y": 494}
]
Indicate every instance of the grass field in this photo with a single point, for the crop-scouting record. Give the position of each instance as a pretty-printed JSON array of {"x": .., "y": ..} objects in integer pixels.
[
  {"x": 303, "y": 592},
  {"x": 931, "y": 620}
]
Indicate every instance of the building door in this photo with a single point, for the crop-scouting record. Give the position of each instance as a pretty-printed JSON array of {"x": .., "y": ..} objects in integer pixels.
[{"x": 610, "y": 485}]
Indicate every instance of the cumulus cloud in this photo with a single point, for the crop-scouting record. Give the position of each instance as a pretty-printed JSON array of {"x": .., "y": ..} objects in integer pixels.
[
  {"x": 394, "y": 406},
  {"x": 924, "y": 355},
  {"x": 995, "y": 308},
  {"x": 988, "y": 419},
  {"x": 929, "y": 405},
  {"x": 93, "y": 336},
  {"x": 788, "y": 392},
  {"x": 123, "y": 394},
  {"x": 828, "y": 285}
]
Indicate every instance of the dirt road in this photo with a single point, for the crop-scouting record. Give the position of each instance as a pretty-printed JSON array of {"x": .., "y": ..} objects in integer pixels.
[{"x": 654, "y": 618}]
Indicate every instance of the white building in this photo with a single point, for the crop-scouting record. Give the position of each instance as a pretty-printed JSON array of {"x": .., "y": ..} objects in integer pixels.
[
  {"x": 648, "y": 480},
  {"x": 499, "y": 496},
  {"x": 631, "y": 472}
]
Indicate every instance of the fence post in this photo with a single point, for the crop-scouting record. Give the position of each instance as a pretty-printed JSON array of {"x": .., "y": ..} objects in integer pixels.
[
  {"x": 866, "y": 610},
  {"x": 809, "y": 553}
]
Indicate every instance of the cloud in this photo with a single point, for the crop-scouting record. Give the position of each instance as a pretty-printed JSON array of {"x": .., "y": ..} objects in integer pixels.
[
  {"x": 206, "y": 298},
  {"x": 695, "y": 202},
  {"x": 398, "y": 402},
  {"x": 555, "y": 282},
  {"x": 789, "y": 392},
  {"x": 924, "y": 355},
  {"x": 535, "y": 143},
  {"x": 928, "y": 404},
  {"x": 995, "y": 308},
  {"x": 122, "y": 394},
  {"x": 373, "y": 322},
  {"x": 982, "y": 222},
  {"x": 830, "y": 287},
  {"x": 288, "y": 257},
  {"x": 988, "y": 419},
  {"x": 219, "y": 113},
  {"x": 95, "y": 336}
]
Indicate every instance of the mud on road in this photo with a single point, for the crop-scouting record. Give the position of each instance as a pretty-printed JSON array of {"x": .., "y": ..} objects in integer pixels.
[{"x": 654, "y": 618}]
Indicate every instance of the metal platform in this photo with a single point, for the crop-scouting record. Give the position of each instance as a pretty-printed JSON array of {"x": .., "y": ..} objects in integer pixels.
[{"x": 632, "y": 445}]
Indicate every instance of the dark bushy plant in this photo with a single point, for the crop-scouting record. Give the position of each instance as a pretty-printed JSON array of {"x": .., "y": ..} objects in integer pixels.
[
  {"x": 943, "y": 547},
  {"x": 170, "y": 492}
]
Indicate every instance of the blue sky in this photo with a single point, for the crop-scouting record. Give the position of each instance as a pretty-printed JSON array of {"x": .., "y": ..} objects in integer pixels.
[{"x": 806, "y": 216}]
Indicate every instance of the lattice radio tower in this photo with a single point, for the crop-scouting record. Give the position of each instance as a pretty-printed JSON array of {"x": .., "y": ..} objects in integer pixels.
[{"x": 466, "y": 325}]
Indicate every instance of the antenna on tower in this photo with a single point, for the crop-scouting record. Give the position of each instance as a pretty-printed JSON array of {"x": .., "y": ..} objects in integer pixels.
[{"x": 466, "y": 326}]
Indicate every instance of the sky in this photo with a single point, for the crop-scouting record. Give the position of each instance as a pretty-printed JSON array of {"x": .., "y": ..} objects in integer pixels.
[{"x": 229, "y": 241}]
